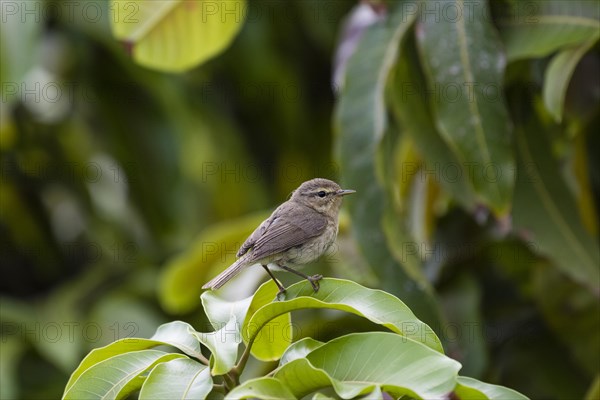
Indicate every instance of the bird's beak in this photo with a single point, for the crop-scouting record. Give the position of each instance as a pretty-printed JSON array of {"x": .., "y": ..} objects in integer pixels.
[{"x": 343, "y": 192}]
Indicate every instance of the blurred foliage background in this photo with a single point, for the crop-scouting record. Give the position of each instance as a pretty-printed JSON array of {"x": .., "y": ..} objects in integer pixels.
[{"x": 124, "y": 189}]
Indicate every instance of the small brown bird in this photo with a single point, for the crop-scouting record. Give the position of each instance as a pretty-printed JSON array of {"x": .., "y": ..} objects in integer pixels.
[{"x": 298, "y": 232}]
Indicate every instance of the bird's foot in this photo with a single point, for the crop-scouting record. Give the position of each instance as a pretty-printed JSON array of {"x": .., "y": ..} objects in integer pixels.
[
  {"x": 314, "y": 281},
  {"x": 281, "y": 294}
]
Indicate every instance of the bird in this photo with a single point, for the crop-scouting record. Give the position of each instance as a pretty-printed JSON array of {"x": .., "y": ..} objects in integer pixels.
[{"x": 298, "y": 232}]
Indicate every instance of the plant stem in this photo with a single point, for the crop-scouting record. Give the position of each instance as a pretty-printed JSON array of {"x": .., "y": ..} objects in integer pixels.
[
  {"x": 202, "y": 359},
  {"x": 219, "y": 388},
  {"x": 237, "y": 370},
  {"x": 230, "y": 382}
]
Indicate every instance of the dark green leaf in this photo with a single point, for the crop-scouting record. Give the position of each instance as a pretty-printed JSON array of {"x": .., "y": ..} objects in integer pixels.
[
  {"x": 552, "y": 226},
  {"x": 464, "y": 65},
  {"x": 539, "y": 27},
  {"x": 360, "y": 121},
  {"x": 558, "y": 76}
]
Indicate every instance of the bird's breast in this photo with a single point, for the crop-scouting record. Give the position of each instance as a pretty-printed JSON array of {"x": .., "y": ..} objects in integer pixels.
[{"x": 313, "y": 248}]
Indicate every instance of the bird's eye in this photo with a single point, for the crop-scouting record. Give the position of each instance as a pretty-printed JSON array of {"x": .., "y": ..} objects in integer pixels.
[{"x": 322, "y": 193}]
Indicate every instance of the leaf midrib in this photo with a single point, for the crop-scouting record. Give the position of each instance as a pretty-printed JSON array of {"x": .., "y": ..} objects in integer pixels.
[
  {"x": 468, "y": 76},
  {"x": 553, "y": 211}
]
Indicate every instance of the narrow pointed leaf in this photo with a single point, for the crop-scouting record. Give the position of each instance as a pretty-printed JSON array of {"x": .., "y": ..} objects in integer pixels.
[
  {"x": 176, "y": 35},
  {"x": 358, "y": 363},
  {"x": 375, "y": 305},
  {"x": 116, "y": 377},
  {"x": 410, "y": 103},
  {"x": 174, "y": 334},
  {"x": 538, "y": 28},
  {"x": 558, "y": 75},
  {"x": 470, "y": 114},
  {"x": 553, "y": 226},
  {"x": 179, "y": 379},
  {"x": 360, "y": 121}
]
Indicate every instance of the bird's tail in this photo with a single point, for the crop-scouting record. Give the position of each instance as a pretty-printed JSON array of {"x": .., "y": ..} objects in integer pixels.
[{"x": 226, "y": 275}]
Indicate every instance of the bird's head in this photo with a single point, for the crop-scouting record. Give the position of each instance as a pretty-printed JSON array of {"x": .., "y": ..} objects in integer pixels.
[{"x": 322, "y": 195}]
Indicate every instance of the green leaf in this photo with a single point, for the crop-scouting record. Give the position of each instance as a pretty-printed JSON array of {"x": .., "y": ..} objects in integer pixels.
[
  {"x": 262, "y": 388},
  {"x": 538, "y": 28},
  {"x": 223, "y": 344},
  {"x": 557, "y": 77},
  {"x": 410, "y": 103},
  {"x": 277, "y": 333},
  {"x": 12, "y": 351},
  {"x": 177, "y": 379},
  {"x": 593, "y": 391},
  {"x": 577, "y": 328},
  {"x": 183, "y": 277},
  {"x": 465, "y": 76},
  {"x": 552, "y": 226},
  {"x": 299, "y": 349},
  {"x": 176, "y": 35},
  {"x": 461, "y": 299},
  {"x": 375, "y": 305},
  {"x": 358, "y": 363},
  {"x": 472, "y": 389},
  {"x": 174, "y": 334},
  {"x": 360, "y": 122},
  {"x": 220, "y": 311},
  {"x": 116, "y": 377}
]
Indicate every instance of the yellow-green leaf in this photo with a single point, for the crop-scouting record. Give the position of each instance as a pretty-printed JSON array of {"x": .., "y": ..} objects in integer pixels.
[{"x": 176, "y": 35}]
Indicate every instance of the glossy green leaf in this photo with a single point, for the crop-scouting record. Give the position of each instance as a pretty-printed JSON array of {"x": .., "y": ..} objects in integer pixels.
[
  {"x": 466, "y": 77},
  {"x": 174, "y": 334},
  {"x": 276, "y": 335},
  {"x": 360, "y": 121},
  {"x": 299, "y": 349},
  {"x": 261, "y": 388},
  {"x": 358, "y": 363},
  {"x": 176, "y": 35},
  {"x": 558, "y": 75},
  {"x": 553, "y": 226},
  {"x": 220, "y": 311},
  {"x": 472, "y": 389},
  {"x": 375, "y": 305},
  {"x": 223, "y": 344},
  {"x": 539, "y": 27},
  {"x": 117, "y": 376},
  {"x": 183, "y": 277},
  {"x": 177, "y": 379},
  {"x": 410, "y": 103}
]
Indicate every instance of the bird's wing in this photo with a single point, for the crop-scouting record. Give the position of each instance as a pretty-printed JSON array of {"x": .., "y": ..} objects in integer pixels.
[
  {"x": 258, "y": 232},
  {"x": 292, "y": 226}
]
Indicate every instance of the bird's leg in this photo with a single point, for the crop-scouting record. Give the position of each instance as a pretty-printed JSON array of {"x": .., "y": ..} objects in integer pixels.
[
  {"x": 314, "y": 279},
  {"x": 279, "y": 285}
]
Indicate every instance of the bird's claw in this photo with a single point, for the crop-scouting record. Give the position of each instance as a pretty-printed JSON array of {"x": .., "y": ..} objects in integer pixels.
[
  {"x": 281, "y": 295},
  {"x": 314, "y": 281}
]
